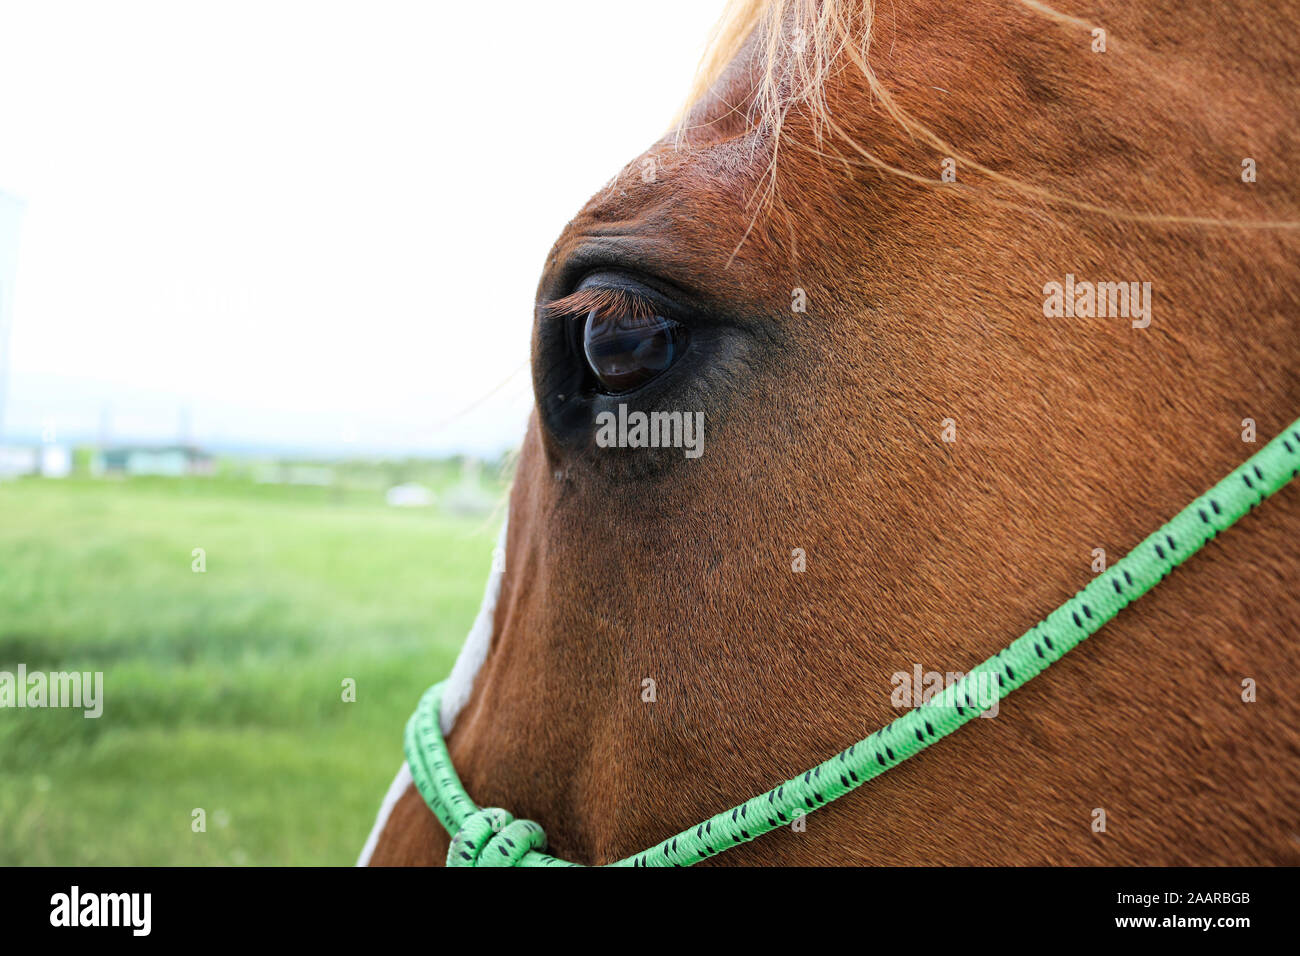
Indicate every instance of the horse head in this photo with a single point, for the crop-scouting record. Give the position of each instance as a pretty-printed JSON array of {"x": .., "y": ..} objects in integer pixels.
[{"x": 854, "y": 374}]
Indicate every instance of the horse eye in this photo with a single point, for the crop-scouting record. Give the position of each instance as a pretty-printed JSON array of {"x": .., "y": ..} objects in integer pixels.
[{"x": 626, "y": 351}]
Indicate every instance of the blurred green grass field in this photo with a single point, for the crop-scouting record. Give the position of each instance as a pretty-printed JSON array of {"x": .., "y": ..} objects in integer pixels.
[{"x": 222, "y": 690}]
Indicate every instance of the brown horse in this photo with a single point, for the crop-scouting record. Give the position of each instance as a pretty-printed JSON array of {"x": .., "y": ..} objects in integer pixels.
[{"x": 853, "y": 258}]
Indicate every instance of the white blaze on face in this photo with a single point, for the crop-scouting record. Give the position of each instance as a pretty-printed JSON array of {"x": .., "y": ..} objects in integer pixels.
[{"x": 459, "y": 686}]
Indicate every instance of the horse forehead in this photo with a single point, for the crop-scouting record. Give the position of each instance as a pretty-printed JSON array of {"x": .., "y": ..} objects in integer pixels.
[
  {"x": 681, "y": 210},
  {"x": 672, "y": 181}
]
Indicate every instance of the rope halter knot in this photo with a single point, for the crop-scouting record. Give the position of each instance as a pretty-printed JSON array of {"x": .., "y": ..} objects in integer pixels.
[{"x": 492, "y": 837}]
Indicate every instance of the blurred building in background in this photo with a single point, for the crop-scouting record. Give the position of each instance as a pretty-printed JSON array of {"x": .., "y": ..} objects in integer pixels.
[
  {"x": 409, "y": 495},
  {"x": 175, "y": 461}
]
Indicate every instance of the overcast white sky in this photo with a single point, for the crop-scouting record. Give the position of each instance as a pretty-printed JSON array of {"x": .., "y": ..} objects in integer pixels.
[{"x": 277, "y": 215}]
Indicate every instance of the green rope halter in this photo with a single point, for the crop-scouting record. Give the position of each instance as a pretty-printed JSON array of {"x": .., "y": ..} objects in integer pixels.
[{"x": 491, "y": 837}]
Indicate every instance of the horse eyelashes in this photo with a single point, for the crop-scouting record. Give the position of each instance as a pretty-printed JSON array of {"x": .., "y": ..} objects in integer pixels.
[{"x": 606, "y": 301}]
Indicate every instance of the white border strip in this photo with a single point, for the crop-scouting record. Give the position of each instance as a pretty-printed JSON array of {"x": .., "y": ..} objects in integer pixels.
[
  {"x": 395, "y": 791},
  {"x": 459, "y": 686}
]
